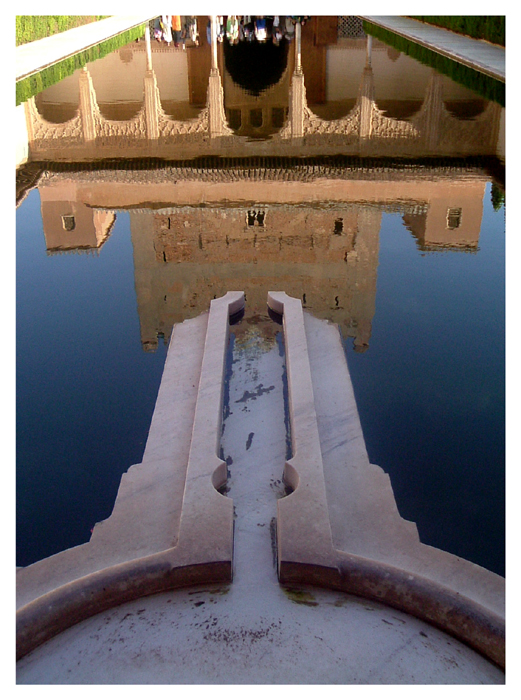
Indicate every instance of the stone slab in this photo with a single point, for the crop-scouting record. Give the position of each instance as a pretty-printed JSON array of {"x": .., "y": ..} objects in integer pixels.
[
  {"x": 339, "y": 528},
  {"x": 254, "y": 631}
]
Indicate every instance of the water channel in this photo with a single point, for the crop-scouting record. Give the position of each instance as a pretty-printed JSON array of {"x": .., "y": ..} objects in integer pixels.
[{"x": 375, "y": 195}]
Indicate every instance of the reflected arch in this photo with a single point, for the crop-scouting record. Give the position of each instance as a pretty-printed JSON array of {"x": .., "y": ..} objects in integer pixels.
[
  {"x": 59, "y": 103},
  {"x": 56, "y": 113},
  {"x": 402, "y": 110},
  {"x": 466, "y": 109},
  {"x": 332, "y": 110}
]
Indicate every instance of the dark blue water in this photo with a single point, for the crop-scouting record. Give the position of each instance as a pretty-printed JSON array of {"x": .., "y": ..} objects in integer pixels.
[
  {"x": 431, "y": 387},
  {"x": 85, "y": 389}
]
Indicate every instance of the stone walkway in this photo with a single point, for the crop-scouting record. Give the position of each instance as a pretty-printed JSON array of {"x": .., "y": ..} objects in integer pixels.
[
  {"x": 479, "y": 55},
  {"x": 170, "y": 528}
]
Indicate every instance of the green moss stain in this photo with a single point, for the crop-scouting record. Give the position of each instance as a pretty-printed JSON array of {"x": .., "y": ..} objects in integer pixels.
[{"x": 297, "y": 595}]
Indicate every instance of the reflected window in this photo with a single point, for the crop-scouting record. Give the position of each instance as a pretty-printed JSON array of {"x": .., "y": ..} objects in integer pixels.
[
  {"x": 453, "y": 218},
  {"x": 256, "y": 217},
  {"x": 68, "y": 222},
  {"x": 256, "y": 117}
]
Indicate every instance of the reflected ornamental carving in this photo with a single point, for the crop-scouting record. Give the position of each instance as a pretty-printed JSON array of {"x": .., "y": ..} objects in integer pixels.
[
  {"x": 365, "y": 129},
  {"x": 446, "y": 133},
  {"x": 174, "y": 127},
  {"x": 135, "y": 127},
  {"x": 389, "y": 128},
  {"x": 478, "y": 139},
  {"x": 376, "y": 123},
  {"x": 349, "y": 124},
  {"x": 53, "y": 134}
]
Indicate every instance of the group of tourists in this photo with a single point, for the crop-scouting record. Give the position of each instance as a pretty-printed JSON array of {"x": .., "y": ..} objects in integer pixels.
[
  {"x": 234, "y": 28},
  {"x": 176, "y": 29}
]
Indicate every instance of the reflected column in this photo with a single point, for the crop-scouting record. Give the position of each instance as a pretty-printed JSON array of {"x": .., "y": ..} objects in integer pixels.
[
  {"x": 297, "y": 91},
  {"x": 152, "y": 98},
  {"x": 216, "y": 114},
  {"x": 213, "y": 35},
  {"x": 88, "y": 105},
  {"x": 148, "y": 48},
  {"x": 366, "y": 96},
  {"x": 433, "y": 106},
  {"x": 298, "y": 48}
]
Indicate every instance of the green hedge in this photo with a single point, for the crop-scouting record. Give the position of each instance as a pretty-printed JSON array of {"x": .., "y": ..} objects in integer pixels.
[
  {"x": 489, "y": 28},
  {"x": 33, "y": 27}
]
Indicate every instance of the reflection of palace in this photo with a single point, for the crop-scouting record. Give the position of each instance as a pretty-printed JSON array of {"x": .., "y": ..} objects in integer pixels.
[
  {"x": 335, "y": 95},
  {"x": 327, "y": 258},
  {"x": 70, "y": 225},
  {"x": 312, "y": 231},
  {"x": 248, "y": 214}
]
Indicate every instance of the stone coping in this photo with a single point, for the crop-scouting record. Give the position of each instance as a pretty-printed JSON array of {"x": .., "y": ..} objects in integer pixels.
[
  {"x": 270, "y": 168},
  {"x": 477, "y": 54}
]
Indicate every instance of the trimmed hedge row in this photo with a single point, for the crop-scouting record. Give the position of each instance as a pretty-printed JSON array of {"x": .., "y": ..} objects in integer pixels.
[
  {"x": 478, "y": 27},
  {"x": 33, "y": 27}
]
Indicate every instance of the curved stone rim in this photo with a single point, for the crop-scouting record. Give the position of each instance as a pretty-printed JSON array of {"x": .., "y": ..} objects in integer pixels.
[
  {"x": 455, "y": 614},
  {"x": 47, "y": 616}
]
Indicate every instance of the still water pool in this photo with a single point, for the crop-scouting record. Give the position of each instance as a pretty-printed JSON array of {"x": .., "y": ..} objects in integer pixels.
[{"x": 399, "y": 237}]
